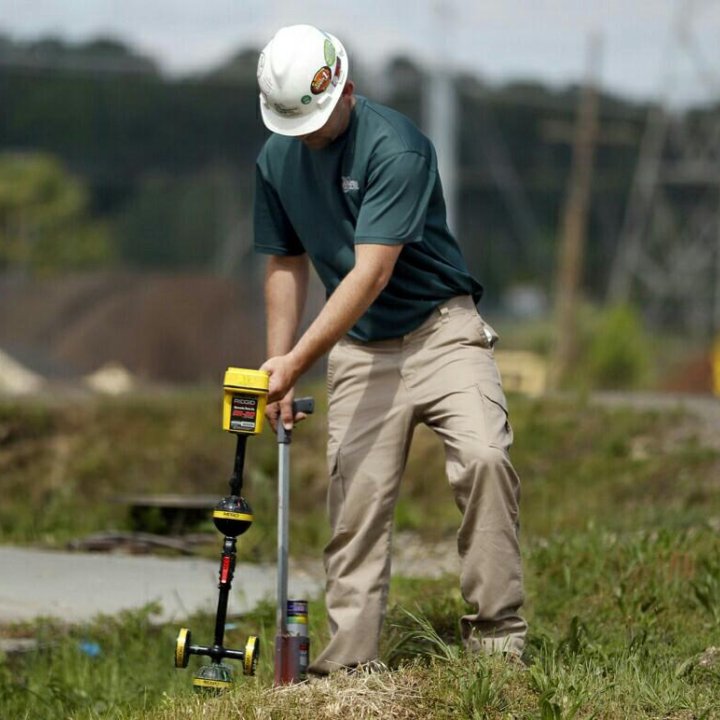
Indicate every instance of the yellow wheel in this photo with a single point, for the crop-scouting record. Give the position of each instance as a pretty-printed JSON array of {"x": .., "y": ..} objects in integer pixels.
[
  {"x": 252, "y": 653},
  {"x": 182, "y": 647}
]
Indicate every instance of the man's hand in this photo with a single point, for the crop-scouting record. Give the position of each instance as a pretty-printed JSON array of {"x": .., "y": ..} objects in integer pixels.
[
  {"x": 282, "y": 411},
  {"x": 283, "y": 375}
]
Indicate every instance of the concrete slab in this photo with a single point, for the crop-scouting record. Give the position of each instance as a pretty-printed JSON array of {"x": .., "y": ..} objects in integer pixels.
[{"x": 76, "y": 587}]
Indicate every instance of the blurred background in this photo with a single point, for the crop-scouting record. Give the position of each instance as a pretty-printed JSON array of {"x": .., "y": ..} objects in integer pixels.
[{"x": 579, "y": 149}]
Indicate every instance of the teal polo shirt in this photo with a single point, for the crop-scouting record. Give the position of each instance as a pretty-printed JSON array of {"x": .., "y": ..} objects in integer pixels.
[{"x": 377, "y": 183}]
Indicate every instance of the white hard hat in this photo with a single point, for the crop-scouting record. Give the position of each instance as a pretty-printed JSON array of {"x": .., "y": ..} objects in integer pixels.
[{"x": 301, "y": 73}]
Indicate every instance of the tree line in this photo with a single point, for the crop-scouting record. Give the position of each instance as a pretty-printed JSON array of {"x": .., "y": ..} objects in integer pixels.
[{"x": 163, "y": 167}]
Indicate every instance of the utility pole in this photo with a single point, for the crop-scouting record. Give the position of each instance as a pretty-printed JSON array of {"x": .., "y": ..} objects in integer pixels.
[
  {"x": 574, "y": 222},
  {"x": 440, "y": 105}
]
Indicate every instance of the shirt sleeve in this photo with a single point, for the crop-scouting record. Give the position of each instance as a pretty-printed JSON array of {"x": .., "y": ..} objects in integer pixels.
[
  {"x": 395, "y": 201},
  {"x": 274, "y": 233}
]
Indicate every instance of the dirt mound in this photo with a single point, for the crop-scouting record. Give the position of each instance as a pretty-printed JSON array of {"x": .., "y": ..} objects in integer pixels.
[{"x": 185, "y": 328}]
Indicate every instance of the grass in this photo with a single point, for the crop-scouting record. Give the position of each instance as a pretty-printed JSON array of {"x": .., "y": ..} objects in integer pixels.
[
  {"x": 72, "y": 458},
  {"x": 621, "y": 551},
  {"x": 621, "y": 627}
]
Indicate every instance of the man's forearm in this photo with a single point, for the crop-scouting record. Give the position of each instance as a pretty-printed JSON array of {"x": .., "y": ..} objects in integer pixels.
[
  {"x": 343, "y": 309},
  {"x": 352, "y": 297},
  {"x": 286, "y": 280}
]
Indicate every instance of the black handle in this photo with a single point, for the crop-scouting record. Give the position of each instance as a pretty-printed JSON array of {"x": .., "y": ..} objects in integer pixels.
[
  {"x": 236, "y": 481},
  {"x": 304, "y": 405}
]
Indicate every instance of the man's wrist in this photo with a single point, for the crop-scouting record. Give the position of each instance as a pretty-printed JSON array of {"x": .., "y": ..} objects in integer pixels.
[{"x": 298, "y": 363}]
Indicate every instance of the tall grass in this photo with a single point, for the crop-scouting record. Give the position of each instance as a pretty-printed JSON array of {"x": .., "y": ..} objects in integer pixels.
[
  {"x": 623, "y": 636},
  {"x": 621, "y": 551},
  {"x": 578, "y": 463}
]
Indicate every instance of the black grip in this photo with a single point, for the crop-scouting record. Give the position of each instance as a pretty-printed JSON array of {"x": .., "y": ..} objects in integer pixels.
[{"x": 304, "y": 405}]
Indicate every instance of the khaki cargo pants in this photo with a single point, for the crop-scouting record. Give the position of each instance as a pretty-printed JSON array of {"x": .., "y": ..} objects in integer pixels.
[{"x": 443, "y": 374}]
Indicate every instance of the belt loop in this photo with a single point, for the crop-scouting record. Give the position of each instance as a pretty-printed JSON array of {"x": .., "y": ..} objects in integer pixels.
[{"x": 443, "y": 309}]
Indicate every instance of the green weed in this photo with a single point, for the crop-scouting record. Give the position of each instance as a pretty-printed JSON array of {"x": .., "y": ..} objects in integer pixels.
[{"x": 621, "y": 557}]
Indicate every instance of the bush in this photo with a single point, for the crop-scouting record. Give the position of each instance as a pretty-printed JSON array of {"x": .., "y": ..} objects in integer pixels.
[{"x": 615, "y": 351}]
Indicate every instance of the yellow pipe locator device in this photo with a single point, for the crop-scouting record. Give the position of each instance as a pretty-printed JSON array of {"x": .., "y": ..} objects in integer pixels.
[{"x": 244, "y": 401}]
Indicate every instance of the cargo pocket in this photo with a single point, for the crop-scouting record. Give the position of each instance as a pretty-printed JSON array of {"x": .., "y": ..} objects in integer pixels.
[
  {"x": 336, "y": 488},
  {"x": 497, "y": 421},
  {"x": 330, "y": 373}
]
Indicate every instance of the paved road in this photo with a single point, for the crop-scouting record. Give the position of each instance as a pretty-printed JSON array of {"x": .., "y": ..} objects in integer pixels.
[
  {"x": 76, "y": 587},
  {"x": 705, "y": 410}
]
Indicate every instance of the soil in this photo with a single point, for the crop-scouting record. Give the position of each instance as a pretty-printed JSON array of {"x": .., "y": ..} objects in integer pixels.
[
  {"x": 693, "y": 376},
  {"x": 160, "y": 328}
]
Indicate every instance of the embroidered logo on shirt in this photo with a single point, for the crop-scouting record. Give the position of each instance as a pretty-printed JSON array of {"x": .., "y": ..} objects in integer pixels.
[{"x": 349, "y": 184}]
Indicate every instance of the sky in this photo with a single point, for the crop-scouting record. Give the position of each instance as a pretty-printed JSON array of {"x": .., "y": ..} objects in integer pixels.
[{"x": 498, "y": 40}]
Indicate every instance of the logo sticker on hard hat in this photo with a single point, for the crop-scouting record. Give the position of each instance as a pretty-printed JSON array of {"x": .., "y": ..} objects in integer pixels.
[
  {"x": 329, "y": 53},
  {"x": 287, "y": 111},
  {"x": 321, "y": 80},
  {"x": 306, "y": 99}
]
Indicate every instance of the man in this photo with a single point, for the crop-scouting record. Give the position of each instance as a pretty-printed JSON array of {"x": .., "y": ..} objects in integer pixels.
[{"x": 352, "y": 187}]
